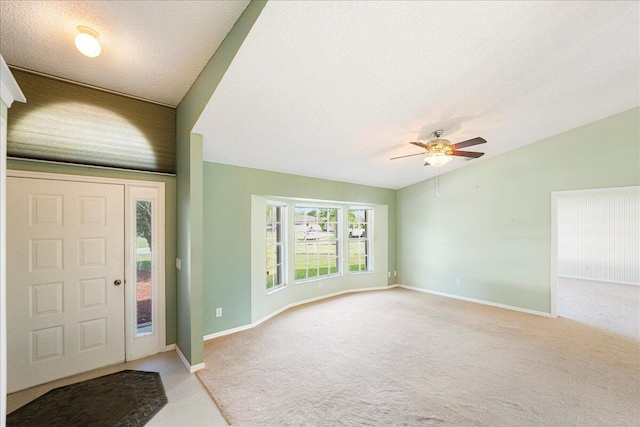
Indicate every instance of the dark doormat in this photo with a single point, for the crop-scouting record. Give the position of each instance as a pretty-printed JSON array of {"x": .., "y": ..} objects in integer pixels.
[{"x": 126, "y": 398}]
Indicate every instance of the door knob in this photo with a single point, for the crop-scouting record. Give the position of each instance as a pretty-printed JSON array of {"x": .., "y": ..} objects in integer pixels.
[{"x": 117, "y": 282}]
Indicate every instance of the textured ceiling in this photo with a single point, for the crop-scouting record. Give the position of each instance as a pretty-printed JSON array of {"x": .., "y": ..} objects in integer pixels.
[
  {"x": 150, "y": 49},
  {"x": 332, "y": 90}
]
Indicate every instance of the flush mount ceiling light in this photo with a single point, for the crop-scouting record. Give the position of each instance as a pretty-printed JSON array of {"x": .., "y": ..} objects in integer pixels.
[{"x": 87, "y": 42}]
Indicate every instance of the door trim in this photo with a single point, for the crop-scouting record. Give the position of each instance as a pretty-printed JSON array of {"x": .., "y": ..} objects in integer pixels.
[{"x": 130, "y": 290}]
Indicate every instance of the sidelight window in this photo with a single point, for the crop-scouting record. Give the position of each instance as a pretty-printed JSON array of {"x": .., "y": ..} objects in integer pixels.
[{"x": 144, "y": 267}]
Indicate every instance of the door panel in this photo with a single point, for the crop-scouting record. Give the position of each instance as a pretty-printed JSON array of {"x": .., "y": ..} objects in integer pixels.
[{"x": 65, "y": 313}]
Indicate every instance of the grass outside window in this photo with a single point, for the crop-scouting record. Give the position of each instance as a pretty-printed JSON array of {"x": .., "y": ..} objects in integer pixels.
[{"x": 317, "y": 242}]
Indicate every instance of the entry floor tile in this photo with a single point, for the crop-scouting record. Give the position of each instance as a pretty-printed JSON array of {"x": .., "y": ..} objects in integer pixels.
[{"x": 189, "y": 403}]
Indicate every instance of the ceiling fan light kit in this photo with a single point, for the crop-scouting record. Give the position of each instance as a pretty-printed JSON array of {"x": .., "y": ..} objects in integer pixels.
[
  {"x": 437, "y": 159},
  {"x": 440, "y": 151}
]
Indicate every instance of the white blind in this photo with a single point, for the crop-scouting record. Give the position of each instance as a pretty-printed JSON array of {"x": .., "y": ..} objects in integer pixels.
[{"x": 599, "y": 236}]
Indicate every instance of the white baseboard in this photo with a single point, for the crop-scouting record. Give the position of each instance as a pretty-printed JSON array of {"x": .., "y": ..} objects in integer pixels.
[
  {"x": 170, "y": 347},
  {"x": 321, "y": 297},
  {"x": 479, "y": 301},
  {"x": 227, "y": 332},
  {"x": 190, "y": 368},
  {"x": 591, "y": 279},
  {"x": 294, "y": 304}
]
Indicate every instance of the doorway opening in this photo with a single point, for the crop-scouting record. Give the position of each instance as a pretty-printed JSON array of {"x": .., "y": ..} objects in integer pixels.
[{"x": 595, "y": 278}]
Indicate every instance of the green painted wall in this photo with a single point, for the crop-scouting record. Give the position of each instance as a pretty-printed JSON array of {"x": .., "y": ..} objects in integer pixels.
[
  {"x": 491, "y": 224},
  {"x": 189, "y": 186},
  {"x": 170, "y": 219},
  {"x": 227, "y": 247}
]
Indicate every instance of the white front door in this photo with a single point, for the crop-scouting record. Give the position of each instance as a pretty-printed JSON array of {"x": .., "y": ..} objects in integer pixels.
[{"x": 65, "y": 279}]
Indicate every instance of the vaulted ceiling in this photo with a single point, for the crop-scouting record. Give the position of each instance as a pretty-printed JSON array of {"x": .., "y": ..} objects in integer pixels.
[{"x": 334, "y": 89}]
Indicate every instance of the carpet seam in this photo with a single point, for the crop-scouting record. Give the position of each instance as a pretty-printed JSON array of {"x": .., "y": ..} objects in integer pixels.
[{"x": 210, "y": 393}]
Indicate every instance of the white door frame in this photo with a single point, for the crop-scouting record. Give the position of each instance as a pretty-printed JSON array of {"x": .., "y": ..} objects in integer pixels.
[
  {"x": 9, "y": 92},
  {"x": 554, "y": 233},
  {"x": 130, "y": 320},
  {"x": 3, "y": 271}
]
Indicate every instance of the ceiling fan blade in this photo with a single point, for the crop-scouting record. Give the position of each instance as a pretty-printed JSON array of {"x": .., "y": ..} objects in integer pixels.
[
  {"x": 469, "y": 143},
  {"x": 467, "y": 154},
  {"x": 408, "y": 155},
  {"x": 419, "y": 144}
]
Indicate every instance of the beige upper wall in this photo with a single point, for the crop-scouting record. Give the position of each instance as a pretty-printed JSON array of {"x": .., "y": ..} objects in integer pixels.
[{"x": 490, "y": 226}]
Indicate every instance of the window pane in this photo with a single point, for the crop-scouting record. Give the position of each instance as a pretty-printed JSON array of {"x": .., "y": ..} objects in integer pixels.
[
  {"x": 357, "y": 247},
  {"x": 270, "y": 278},
  {"x": 317, "y": 242},
  {"x": 274, "y": 247},
  {"x": 333, "y": 265},
  {"x": 312, "y": 271},
  {"x": 356, "y": 216},
  {"x": 144, "y": 282},
  {"x": 359, "y": 241},
  {"x": 271, "y": 256},
  {"x": 272, "y": 235}
]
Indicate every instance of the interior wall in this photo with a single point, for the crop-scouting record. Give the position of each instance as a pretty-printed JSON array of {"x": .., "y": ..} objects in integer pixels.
[
  {"x": 189, "y": 186},
  {"x": 228, "y": 192},
  {"x": 170, "y": 220},
  {"x": 263, "y": 304},
  {"x": 490, "y": 226},
  {"x": 599, "y": 235}
]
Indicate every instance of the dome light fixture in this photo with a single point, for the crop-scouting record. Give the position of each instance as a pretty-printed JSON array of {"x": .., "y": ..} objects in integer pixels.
[
  {"x": 437, "y": 160},
  {"x": 87, "y": 42}
]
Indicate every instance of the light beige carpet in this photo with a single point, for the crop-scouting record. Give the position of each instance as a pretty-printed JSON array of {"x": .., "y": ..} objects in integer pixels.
[
  {"x": 609, "y": 306},
  {"x": 401, "y": 357}
]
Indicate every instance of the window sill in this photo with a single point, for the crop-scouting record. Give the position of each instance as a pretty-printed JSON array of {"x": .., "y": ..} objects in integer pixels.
[
  {"x": 315, "y": 279},
  {"x": 279, "y": 288},
  {"x": 360, "y": 272}
]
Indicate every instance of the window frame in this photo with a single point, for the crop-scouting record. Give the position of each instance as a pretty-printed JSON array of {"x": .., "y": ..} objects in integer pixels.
[
  {"x": 338, "y": 232},
  {"x": 142, "y": 345},
  {"x": 367, "y": 239},
  {"x": 280, "y": 244}
]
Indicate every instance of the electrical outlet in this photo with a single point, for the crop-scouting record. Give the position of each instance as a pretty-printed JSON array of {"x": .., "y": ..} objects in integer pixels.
[
  {"x": 458, "y": 282},
  {"x": 395, "y": 273},
  {"x": 219, "y": 312},
  {"x": 178, "y": 263},
  {"x": 388, "y": 274}
]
